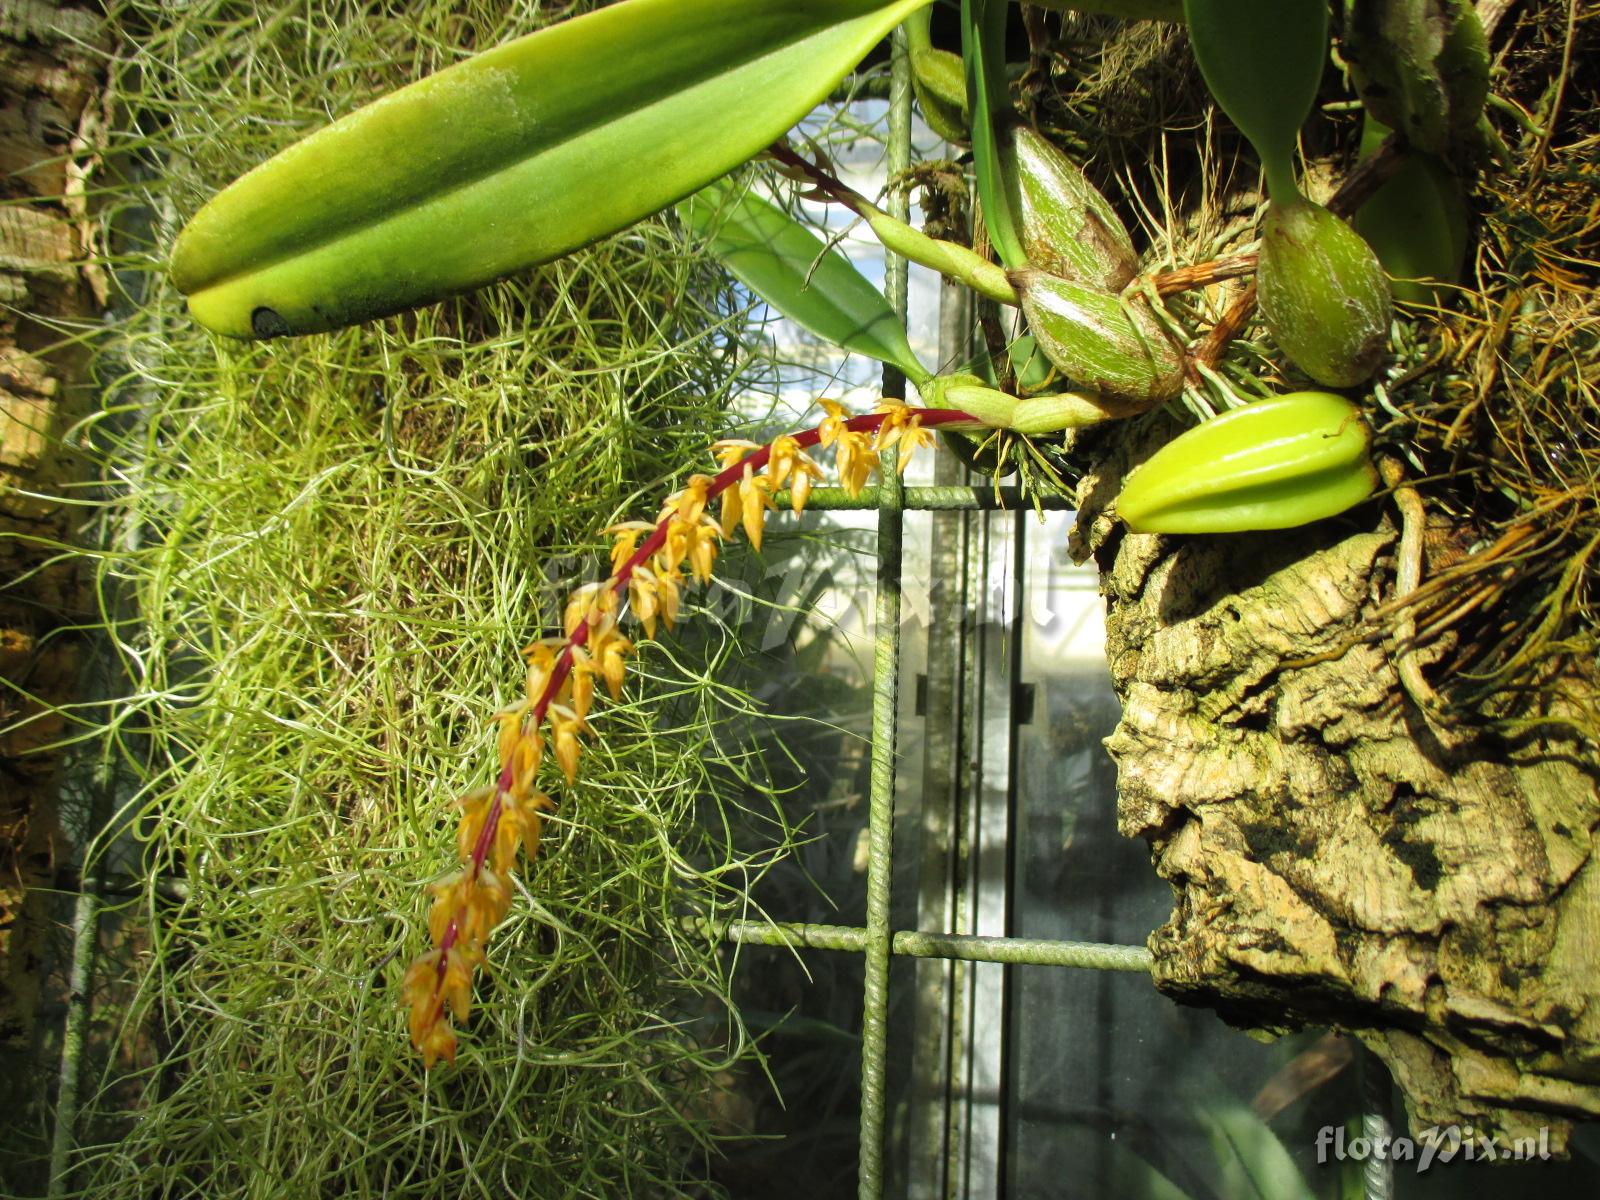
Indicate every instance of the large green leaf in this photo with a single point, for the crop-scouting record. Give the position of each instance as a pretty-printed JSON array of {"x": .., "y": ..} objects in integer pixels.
[
  {"x": 514, "y": 157},
  {"x": 789, "y": 266},
  {"x": 1416, "y": 223},
  {"x": 1263, "y": 60}
]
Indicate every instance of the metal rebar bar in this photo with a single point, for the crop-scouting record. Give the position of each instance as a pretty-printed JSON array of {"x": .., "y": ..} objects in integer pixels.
[
  {"x": 938, "y": 499},
  {"x": 885, "y": 690},
  {"x": 1377, "y": 1173},
  {"x": 80, "y": 986},
  {"x": 1046, "y": 952},
  {"x": 85, "y": 933},
  {"x": 935, "y": 816}
]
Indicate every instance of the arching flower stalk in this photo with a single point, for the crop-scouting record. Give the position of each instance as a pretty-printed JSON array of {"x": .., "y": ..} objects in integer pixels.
[{"x": 648, "y": 565}]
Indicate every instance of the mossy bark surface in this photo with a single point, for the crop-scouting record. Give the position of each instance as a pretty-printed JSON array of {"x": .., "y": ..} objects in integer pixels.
[
  {"x": 49, "y": 120},
  {"x": 1336, "y": 858}
]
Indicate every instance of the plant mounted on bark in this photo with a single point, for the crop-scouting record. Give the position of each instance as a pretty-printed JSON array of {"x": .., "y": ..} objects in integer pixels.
[{"x": 543, "y": 145}]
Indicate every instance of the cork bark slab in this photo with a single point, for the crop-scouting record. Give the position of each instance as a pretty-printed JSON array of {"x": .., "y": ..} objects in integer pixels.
[{"x": 1335, "y": 860}]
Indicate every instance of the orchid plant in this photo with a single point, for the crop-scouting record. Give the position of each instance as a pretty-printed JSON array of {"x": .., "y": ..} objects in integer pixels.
[
  {"x": 652, "y": 563},
  {"x": 577, "y": 130}
]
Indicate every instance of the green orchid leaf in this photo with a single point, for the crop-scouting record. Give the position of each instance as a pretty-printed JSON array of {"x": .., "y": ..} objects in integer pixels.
[
  {"x": 1263, "y": 60},
  {"x": 1253, "y": 1158},
  {"x": 983, "y": 45},
  {"x": 793, "y": 270},
  {"x": 1416, "y": 223},
  {"x": 516, "y": 156}
]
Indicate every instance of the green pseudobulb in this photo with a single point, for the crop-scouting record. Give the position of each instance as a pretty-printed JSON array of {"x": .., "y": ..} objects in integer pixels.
[
  {"x": 1068, "y": 228},
  {"x": 939, "y": 80},
  {"x": 1099, "y": 341},
  {"x": 1272, "y": 464},
  {"x": 1323, "y": 293}
]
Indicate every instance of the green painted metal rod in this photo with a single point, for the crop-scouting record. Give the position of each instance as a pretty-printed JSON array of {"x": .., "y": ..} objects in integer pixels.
[
  {"x": 885, "y": 691},
  {"x": 1097, "y": 956},
  {"x": 1043, "y": 952},
  {"x": 941, "y": 499}
]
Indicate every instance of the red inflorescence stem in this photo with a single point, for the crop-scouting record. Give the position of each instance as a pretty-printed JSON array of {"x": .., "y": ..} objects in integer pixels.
[{"x": 754, "y": 461}]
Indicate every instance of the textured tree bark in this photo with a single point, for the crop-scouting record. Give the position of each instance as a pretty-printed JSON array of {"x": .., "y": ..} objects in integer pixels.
[
  {"x": 48, "y": 119},
  {"x": 1335, "y": 859}
]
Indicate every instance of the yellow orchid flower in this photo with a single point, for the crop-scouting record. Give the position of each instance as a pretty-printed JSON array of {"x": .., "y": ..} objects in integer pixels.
[{"x": 647, "y": 569}]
